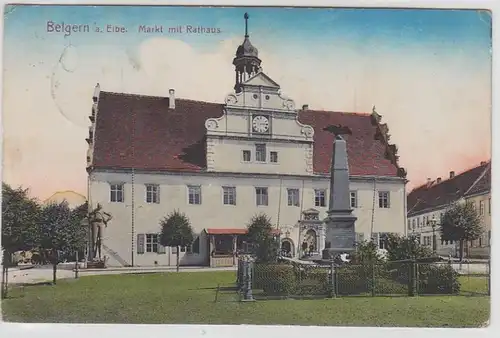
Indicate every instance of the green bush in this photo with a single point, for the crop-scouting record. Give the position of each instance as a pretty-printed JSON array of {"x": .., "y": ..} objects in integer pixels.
[
  {"x": 313, "y": 281},
  {"x": 275, "y": 279},
  {"x": 384, "y": 286},
  {"x": 354, "y": 279},
  {"x": 437, "y": 279}
]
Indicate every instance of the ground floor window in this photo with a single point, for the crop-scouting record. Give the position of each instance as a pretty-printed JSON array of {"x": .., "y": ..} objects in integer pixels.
[
  {"x": 223, "y": 244},
  {"x": 152, "y": 242}
]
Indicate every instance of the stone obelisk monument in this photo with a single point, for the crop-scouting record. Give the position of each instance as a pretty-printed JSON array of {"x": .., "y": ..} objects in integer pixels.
[{"x": 339, "y": 224}]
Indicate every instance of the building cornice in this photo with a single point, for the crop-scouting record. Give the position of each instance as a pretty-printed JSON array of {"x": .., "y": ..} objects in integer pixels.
[{"x": 317, "y": 176}]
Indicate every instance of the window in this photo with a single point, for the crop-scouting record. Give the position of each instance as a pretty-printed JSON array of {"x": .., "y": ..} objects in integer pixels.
[
  {"x": 260, "y": 152},
  {"x": 414, "y": 224},
  {"x": 261, "y": 196},
  {"x": 152, "y": 193},
  {"x": 116, "y": 192},
  {"x": 247, "y": 155},
  {"x": 194, "y": 193},
  {"x": 319, "y": 197},
  {"x": 489, "y": 206},
  {"x": 360, "y": 237},
  {"x": 382, "y": 240},
  {"x": 354, "y": 199},
  {"x": 441, "y": 215},
  {"x": 383, "y": 199},
  {"x": 409, "y": 225},
  {"x": 293, "y": 197},
  {"x": 418, "y": 222},
  {"x": 481, "y": 208},
  {"x": 229, "y": 195},
  {"x": 152, "y": 242},
  {"x": 274, "y": 156}
]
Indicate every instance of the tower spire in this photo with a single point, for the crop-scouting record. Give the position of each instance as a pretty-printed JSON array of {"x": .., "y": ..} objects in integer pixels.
[
  {"x": 246, "y": 16},
  {"x": 246, "y": 62}
]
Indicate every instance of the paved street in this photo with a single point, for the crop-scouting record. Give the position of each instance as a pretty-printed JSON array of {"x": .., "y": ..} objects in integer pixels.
[{"x": 43, "y": 274}]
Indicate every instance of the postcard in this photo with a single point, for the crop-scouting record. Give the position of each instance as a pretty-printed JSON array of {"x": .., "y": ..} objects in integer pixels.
[{"x": 208, "y": 165}]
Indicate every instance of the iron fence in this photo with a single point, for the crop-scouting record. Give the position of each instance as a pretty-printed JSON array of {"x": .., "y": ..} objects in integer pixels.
[{"x": 402, "y": 278}]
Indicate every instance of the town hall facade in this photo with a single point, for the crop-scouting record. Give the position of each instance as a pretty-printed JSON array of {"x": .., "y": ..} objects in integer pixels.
[{"x": 221, "y": 164}]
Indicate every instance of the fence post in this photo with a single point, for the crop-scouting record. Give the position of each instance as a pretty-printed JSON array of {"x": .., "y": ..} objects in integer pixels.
[
  {"x": 489, "y": 277},
  {"x": 247, "y": 296},
  {"x": 333, "y": 281},
  {"x": 373, "y": 280},
  {"x": 238, "y": 270},
  {"x": 412, "y": 278}
]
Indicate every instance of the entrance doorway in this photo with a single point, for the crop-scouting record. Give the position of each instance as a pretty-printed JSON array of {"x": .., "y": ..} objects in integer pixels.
[{"x": 287, "y": 247}]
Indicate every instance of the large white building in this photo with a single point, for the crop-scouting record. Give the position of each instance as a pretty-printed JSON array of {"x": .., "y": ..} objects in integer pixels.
[{"x": 221, "y": 164}]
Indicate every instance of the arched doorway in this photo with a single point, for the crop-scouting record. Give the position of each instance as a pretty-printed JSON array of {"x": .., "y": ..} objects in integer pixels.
[
  {"x": 311, "y": 240},
  {"x": 287, "y": 249}
]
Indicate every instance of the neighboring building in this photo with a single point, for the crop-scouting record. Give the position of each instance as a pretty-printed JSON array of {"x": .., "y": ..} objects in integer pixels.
[
  {"x": 428, "y": 203},
  {"x": 221, "y": 164},
  {"x": 73, "y": 199}
]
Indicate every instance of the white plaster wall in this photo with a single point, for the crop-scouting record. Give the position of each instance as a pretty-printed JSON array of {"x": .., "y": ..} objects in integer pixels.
[
  {"x": 293, "y": 158},
  {"x": 213, "y": 214}
]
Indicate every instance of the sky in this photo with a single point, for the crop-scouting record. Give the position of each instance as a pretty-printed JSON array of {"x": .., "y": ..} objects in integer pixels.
[{"x": 428, "y": 72}]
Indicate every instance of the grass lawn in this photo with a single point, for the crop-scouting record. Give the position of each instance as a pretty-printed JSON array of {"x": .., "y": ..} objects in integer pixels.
[{"x": 188, "y": 298}]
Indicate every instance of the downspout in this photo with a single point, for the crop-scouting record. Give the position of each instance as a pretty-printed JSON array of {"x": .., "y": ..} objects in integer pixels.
[
  {"x": 405, "y": 210},
  {"x": 279, "y": 205},
  {"x": 373, "y": 207}
]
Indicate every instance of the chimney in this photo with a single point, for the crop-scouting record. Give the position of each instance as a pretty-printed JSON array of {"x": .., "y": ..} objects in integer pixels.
[
  {"x": 452, "y": 174},
  {"x": 483, "y": 163},
  {"x": 438, "y": 180},
  {"x": 97, "y": 92},
  {"x": 171, "y": 99},
  {"x": 305, "y": 107}
]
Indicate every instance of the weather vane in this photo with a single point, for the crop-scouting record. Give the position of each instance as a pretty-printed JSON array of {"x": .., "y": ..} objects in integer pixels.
[{"x": 246, "y": 16}]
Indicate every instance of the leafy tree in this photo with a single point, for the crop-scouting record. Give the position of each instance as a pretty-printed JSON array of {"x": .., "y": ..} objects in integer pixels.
[
  {"x": 265, "y": 244},
  {"x": 176, "y": 231},
  {"x": 60, "y": 231},
  {"x": 19, "y": 214},
  {"x": 401, "y": 248},
  {"x": 366, "y": 253},
  {"x": 461, "y": 222}
]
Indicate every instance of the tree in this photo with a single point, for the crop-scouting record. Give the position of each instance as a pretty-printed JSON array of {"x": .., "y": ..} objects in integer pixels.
[
  {"x": 366, "y": 253},
  {"x": 60, "y": 231},
  {"x": 402, "y": 248},
  {"x": 176, "y": 232},
  {"x": 461, "y": 223},
  {"x": 19, "y": 214},
  {"x": 260, "y": 233}
]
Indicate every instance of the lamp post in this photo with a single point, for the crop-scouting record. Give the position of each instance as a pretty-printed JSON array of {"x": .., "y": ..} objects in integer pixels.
[{"x": 433, "y": 223}]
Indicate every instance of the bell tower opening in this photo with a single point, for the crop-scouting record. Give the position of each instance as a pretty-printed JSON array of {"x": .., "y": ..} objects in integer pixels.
[{"x": 246, "y": 62}]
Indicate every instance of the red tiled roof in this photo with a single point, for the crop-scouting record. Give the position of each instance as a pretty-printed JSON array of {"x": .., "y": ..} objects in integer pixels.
[
  {"x": 483, "y": 185},
  {"x": 434, "y": 195},
  {"x": 141, "y": 132},
  {"x": 235, "y": 231}
]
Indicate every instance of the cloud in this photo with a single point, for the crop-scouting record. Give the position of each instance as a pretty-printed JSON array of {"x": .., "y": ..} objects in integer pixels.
[{"x": 437, "y": 106}]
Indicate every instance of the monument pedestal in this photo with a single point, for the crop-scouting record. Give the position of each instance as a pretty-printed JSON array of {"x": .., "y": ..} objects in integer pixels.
[{"x": 340, "y": 234}]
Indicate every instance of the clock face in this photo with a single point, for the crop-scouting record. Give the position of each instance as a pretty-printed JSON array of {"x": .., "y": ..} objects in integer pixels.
[{"x": 260, "y": 124}]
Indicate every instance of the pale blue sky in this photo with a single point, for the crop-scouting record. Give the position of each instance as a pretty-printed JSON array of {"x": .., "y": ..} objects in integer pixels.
[{"x": 427, "y": 71}]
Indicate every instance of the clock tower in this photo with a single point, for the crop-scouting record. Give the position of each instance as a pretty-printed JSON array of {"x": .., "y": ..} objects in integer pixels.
[
  {"x": 246, "y": 62},
  {"x": 259, "y": 131}
]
